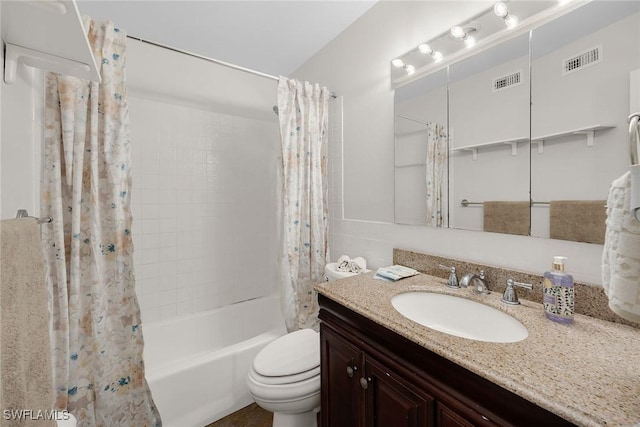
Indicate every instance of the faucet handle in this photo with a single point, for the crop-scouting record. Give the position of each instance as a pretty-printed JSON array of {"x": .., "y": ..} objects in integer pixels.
[
  {"x": 452, "y": 282},
  {"x": 510, "y": 295},
  {"x": 480, "y": 284},
  {"x": 444, "y": 267}
]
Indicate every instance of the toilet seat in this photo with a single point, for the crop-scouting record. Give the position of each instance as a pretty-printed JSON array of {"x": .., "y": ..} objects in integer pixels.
[
  {"x": 288, "y": 366},
  {"x": 290, "y": 358},
  {"x": 285, "y": 379}
]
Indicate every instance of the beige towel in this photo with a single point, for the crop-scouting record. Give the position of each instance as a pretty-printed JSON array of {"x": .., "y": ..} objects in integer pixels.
[
  {"x": 577, "y": 220},
  {"x": 507, "y": 217},
  {"x": 621, "y": 254},
  {"x": 25, "y": 353}
]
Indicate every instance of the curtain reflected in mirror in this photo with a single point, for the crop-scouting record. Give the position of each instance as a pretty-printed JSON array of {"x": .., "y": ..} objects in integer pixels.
[{"x": 421, "y": 148}]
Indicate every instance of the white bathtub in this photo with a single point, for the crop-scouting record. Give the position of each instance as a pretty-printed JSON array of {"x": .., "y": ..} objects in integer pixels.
[{"x": 196, "y": 366}]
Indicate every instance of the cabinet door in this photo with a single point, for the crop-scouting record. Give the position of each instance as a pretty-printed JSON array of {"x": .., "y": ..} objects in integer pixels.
[
  {"x": 392, "y": 401},
  {"x": 342, "y": 401},
  {"x": 445, "y": 417},
  {"x": 459, "y": 414}
]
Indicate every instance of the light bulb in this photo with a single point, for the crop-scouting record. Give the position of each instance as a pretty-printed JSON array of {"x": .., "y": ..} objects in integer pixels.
[
  {"x": 425, "y": 48},
  {"x": 457, "y": 32},
  {"x": 410, "y": 69},
  {"x": 398, "y": 63},
  {"x": 469, "y": 41},
  {"x": 511, "y": 21},
  {"x": 500, "y": 9},
  {"x": 437, "y": 56}
]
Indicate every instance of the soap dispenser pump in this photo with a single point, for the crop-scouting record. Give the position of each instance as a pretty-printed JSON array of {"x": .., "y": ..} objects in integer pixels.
[{"x": 558, "y": 293}]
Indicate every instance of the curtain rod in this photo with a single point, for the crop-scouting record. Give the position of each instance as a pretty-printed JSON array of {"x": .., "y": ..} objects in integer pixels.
[
  {"x": 215, "y": 61},
  {"x": 206, "y": 58}
]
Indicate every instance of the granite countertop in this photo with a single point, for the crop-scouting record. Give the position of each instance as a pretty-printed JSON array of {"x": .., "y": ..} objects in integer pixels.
[{"x": 587, "y": 372}]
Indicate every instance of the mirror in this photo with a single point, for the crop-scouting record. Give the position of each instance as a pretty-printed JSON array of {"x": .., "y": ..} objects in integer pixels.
[
  {"x": 520, "y": 129},
  {"x": 489, "y": 137},
  {"x": 581, "y": 65},
  {"x": 421, "y": 175}
]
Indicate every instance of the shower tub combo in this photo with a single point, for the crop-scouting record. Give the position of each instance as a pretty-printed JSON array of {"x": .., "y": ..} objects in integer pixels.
[{"x": 197, "y": 366}]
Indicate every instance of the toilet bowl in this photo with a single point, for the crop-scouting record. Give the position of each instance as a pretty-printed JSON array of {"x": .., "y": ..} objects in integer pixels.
[{"x": 284, "y": 378}]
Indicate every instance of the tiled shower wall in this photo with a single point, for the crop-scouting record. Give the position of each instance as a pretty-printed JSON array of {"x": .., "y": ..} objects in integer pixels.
[{"x": 204, "y": 206}]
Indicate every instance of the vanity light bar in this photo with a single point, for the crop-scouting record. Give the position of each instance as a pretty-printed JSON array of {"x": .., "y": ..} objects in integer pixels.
[
  {"x": 513, "y": 27},
  {"x": 502, "y": 11},
  {"x": 425, "y": 49},
  {"x": 462, "y": 34},
  {"x": 399, "y": 63},
  {"x": 459, "y": 33}
]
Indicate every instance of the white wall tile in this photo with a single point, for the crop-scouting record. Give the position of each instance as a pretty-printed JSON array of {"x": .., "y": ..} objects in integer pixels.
[
  {"x": 168, "y": 311},
  {"x": 150, "y": 314},
  {"x": 206, "y": 206}
]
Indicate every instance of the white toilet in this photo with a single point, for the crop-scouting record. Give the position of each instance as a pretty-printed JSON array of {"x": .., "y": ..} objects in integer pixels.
[
  {"x": 285, "y": 375},
  {"x": 285, "y": 379}
]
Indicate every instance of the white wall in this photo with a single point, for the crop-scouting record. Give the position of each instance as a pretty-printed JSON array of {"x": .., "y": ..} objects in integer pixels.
[
  {"x": 356, "y": 65},
  {"x": 22, "y": 124}
]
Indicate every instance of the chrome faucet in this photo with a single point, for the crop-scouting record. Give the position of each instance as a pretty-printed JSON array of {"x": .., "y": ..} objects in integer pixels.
[
  {"x": 452, "y": 282},
  {"x": 478, "y": 283},
  {"x": 510, "y": 295}
]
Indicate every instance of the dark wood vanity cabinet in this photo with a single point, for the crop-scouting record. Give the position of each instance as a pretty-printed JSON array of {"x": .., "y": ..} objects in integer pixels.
[
  {"x": 342, "y": 394},
  {"x": 372, "y": 376},
  {"x": 362, "y": 391},
  {"x": 392, "y": 400}
]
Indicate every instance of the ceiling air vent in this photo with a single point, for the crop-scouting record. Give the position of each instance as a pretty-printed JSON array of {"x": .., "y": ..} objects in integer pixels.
[
  {"x": 509, "y": 80},
  {"x": 582, "y": 60}
]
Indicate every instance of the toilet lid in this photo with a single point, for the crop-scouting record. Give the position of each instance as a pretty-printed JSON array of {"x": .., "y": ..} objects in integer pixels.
[{"x": 290, "y": 354}]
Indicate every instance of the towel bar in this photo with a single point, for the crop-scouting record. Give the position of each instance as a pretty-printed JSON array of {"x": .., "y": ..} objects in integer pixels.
[
  {"x": 634, "y": 136},
  {"x": 22, "y": 213},
  {"x": 465, "y": 203}
]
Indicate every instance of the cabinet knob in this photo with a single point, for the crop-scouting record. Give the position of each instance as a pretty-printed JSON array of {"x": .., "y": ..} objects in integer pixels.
[
  {"x": 364, "y": 382},
  {"x": 351, "y": 370}
]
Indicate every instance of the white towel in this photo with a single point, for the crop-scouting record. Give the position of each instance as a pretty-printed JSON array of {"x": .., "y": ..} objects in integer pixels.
[
  {"x": 25, "y": 353},
  {"x": 635, "y": 191},
  {"x": 356, "y": 265},
  {"x": 621, "y": 255}
]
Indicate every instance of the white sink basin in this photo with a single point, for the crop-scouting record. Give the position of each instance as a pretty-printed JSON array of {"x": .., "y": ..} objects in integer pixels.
[{"x": 459, "y": 316}]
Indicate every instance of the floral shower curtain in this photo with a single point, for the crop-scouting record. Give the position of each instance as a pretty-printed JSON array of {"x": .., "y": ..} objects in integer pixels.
[
  {"x": 436, "y": 156},
  {"x": 86, "y": 183},
  {"x": 303, "y": 114}
]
